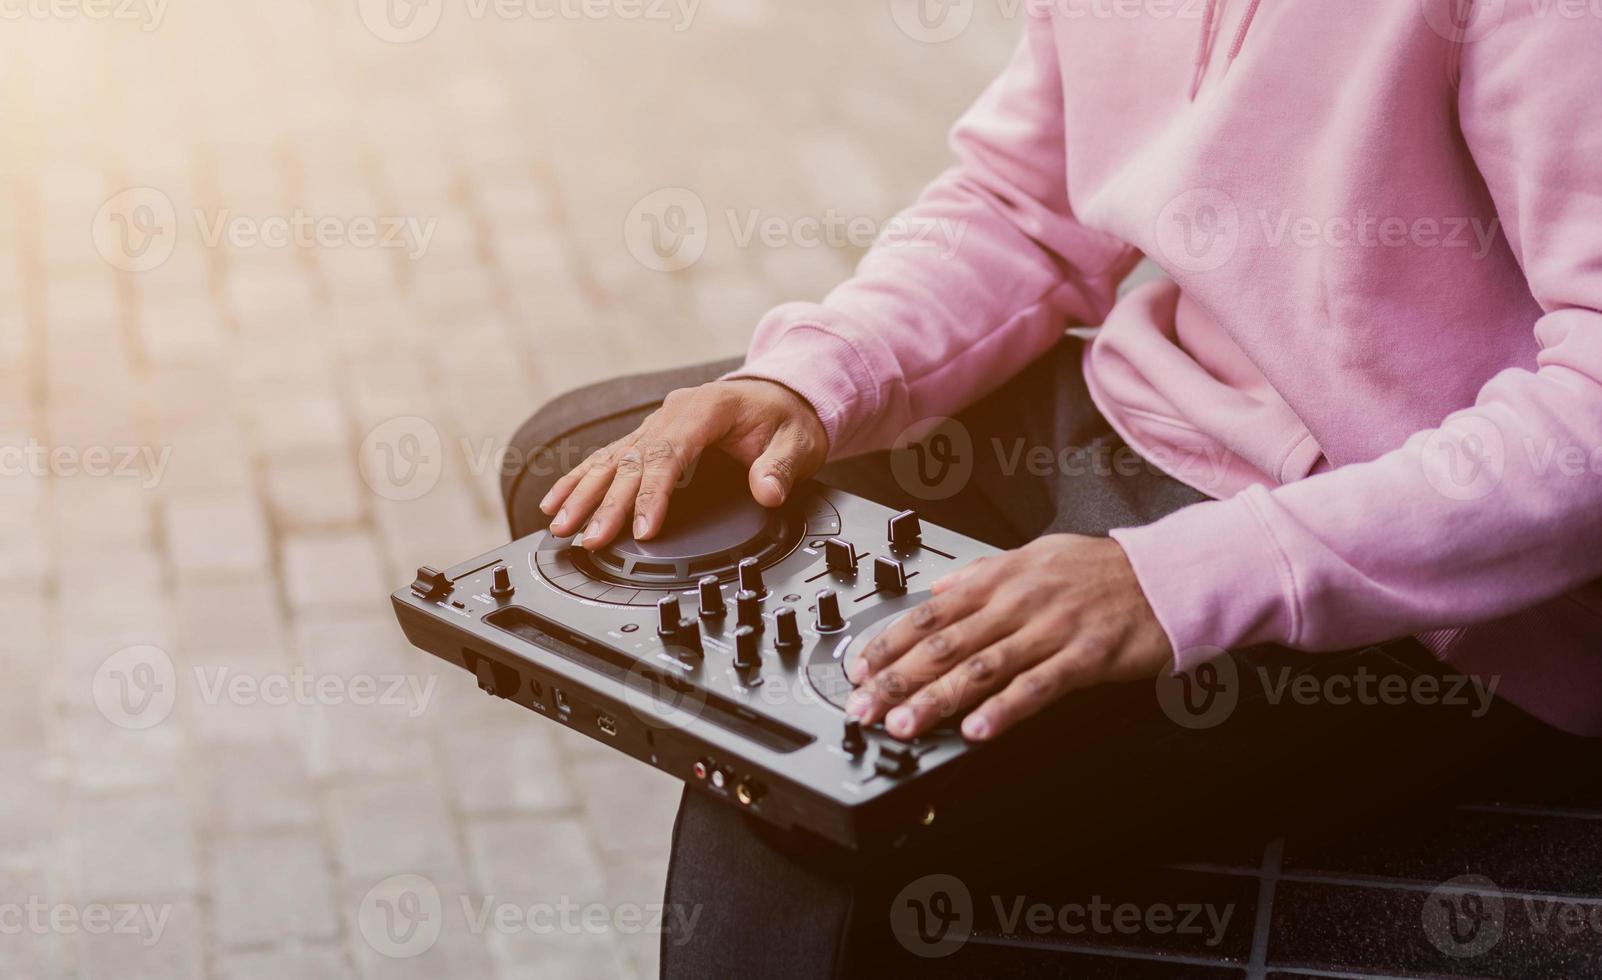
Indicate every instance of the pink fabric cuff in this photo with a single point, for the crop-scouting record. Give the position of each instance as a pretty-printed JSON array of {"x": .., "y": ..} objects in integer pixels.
[
  {"x": 823, "y": 368},
  {"x": 1215, "y": 578}
]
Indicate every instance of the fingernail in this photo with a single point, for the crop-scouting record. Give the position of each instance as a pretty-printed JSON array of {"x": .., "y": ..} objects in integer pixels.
[
  {"x": 855, "y": 670},
  {"x": 773, "y": 482},
  {"x": 641, "y": 525},
  {"x": 857, "y": 705},
  {"x": 593, "y": 531},
  {"x": 548, "y": 499},
  {"x": 976, "y": 726},
  {"x": 560, "y": 519},
  {"x": 899, "y": 722}
]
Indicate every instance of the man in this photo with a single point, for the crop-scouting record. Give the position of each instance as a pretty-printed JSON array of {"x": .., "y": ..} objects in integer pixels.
[{"x": 1368, "y": 387}]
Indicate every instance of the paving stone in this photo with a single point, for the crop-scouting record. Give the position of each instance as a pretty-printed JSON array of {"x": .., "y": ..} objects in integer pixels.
[
  {"x": 133, "y": 847},
  {"x": 211, "y": 535},
  {"x": 164, "y": 941},
  {"x": 313, "y": 493},
  {"x": 629, "y": 805},
  {"x": 339, "y": 570},
  {"x": 258, "y": 785},
  {"x": 273, "y": 888},
  {"x": 534, "y": 858},
  {"x": 388, "y": 827},
  {"x": 506, "y": 767},
  {"x": 303, "y": 964}
]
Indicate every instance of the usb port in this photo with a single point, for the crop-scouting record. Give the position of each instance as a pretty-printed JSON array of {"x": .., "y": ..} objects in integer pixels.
[
  {"x": 561, "y": 700},
  {"x": 606, "y": 724}
]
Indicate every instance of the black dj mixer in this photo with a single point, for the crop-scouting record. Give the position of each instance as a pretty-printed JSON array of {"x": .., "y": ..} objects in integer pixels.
[{"x": 715, "y": 651}]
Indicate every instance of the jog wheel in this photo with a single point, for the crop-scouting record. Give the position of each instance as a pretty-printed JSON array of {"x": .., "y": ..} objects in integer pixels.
[{"x": 712, "y": 525}]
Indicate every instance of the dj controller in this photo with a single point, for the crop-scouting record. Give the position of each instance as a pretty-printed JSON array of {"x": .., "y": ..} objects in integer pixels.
[{"x": 716, "y": 650}]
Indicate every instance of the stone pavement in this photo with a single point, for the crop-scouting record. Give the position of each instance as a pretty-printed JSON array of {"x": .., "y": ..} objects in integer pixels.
[{"x": 275, "y": 279}]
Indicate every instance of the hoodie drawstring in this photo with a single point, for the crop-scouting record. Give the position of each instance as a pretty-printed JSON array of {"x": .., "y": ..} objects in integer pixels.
[{"x": 1204, "y": 44}]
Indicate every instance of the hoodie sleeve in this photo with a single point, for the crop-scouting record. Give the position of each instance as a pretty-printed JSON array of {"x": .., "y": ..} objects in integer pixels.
[
  {"x": 965, "y": 288},
  {"x": 1488, "y": 514}
]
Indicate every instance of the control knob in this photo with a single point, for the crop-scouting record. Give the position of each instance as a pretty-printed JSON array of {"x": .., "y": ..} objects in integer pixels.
[
  {"x": 712, "y": 605},
  {"x": 751, "y": 577},
  {"x": 748, "y": 609},
  {"x": 789, "y": 629},
  {"x": 829, "y": 618},
  {"x": 746, "y": 654}
]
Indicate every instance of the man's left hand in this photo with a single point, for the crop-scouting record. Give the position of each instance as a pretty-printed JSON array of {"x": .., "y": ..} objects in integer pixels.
[{"x": 1011, "y": 634}]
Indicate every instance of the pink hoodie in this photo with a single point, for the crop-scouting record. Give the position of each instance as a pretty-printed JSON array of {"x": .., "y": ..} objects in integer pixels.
[{"x": 1379, "y": 345}]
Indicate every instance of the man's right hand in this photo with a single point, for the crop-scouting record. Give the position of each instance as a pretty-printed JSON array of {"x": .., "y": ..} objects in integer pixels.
[{"x": 772, "y": 430}]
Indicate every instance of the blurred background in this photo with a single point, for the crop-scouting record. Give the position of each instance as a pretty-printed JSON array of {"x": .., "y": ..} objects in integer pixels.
[{"x": 277, "y": 280}]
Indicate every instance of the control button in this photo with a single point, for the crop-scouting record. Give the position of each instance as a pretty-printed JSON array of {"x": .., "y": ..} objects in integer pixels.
[
  {"x": 889, "y": 575},
  {"x": 829, "y": 618},
  {"x": 904, "y": 530},
  {"x": 746, "y": 655},
  {"x": 896, "y": 760},
  {"x": 751, "y": 577},
  {"x": 840, "y": 556},
  {"x": 789, "y": 630},
  {"x": 669, "y": 618},
  {"x": 853, "y": 742},
  {"x": 673, "y": 628},
  {"x": 711, "y": 597},
  {"x": 748, "y": 609},
  {"x": 431, "y": 583},
  {"x": 501, "y": 587}
]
